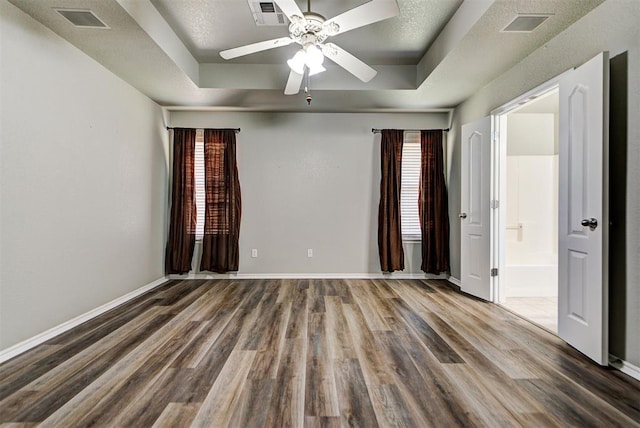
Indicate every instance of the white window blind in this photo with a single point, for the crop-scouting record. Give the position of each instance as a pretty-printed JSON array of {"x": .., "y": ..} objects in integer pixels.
[
  {"x": 199, "y": 179},
  {"x": 409, "y": 186}
]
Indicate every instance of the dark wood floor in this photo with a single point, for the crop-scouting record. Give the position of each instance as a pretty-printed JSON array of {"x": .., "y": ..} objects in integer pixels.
[{"x": 277, "y": 353}]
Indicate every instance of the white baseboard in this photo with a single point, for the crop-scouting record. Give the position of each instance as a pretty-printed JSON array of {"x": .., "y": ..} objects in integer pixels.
[
  {"x": 395, "y": 275},
  {"x": 25, "y": 345},
  {"x": 624, "y": 366},
  {"x": 454, "y": 281}
]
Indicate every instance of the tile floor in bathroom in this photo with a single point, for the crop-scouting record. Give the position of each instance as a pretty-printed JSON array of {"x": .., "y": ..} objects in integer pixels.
[{"x": 540, "y": 310}]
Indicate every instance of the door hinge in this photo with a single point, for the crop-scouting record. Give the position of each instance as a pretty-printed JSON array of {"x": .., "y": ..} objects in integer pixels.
[
  {"x": 494, "y": 271},
  {"x": 495, "y": 203}
]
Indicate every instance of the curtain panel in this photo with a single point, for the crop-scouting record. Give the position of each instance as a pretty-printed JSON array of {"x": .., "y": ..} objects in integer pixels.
[
  {"x": 433, "y": 204},
  {"x": 182, "y": 228},
  {"x": 389, "y": 232},
  {"x": 220, "y": 252}
]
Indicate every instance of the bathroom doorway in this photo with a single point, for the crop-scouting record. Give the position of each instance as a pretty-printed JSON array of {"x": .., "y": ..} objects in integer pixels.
[{"x": 529, "y": 209}]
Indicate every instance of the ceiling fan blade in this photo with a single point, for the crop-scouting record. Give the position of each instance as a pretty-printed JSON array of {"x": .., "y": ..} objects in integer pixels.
[
  {"x": 290, "y": 8},
  {"x": 255, "y": 47},
  {"x": 293, "y": 84},
  {"x": 349, "y": 62},
  {"x": 368, "y": 13}
]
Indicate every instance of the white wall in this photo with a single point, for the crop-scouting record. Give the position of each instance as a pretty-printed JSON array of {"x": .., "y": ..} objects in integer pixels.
[
  {"x": 83, "y": 176},
  {"x": 531, "y": 134},
  {"x": 612, "y": 26},
  {"x": 311, "y": 180}
]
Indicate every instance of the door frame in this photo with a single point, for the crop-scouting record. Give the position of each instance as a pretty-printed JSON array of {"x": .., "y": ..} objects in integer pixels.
[{"x": 498, "y": 170}]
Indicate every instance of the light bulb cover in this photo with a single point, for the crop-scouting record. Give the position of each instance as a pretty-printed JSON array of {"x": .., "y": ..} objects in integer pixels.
[
  {"x": 314, "y": 56},
  {"x": 297, "y": 62},
  {"x": 316, "y": 69}
]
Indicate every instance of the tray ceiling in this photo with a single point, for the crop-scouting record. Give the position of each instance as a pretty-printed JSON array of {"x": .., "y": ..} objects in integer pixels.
[{"x": 432, "y": 56}]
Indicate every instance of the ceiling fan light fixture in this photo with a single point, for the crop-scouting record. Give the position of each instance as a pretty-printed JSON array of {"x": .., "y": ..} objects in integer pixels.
[
  {"x": 297, "y": 62},
  {"x": 314, "y": 56},
  {"x": 310, "y": 56},
  {"x": 316, "y": 69}
]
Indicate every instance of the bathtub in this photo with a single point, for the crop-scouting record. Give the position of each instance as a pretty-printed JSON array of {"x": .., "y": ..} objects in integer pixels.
[{"x": 537, "y": 278}]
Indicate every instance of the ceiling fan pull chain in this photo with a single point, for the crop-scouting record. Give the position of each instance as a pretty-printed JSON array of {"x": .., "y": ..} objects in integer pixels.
[{"x": 307, "y": 88}]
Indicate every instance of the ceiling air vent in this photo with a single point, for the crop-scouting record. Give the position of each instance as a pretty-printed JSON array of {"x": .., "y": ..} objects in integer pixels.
[
  {"x": 525, "y": 23},
  {"x": 267, "y": 13},
  {"x": 82, "y": 18}
]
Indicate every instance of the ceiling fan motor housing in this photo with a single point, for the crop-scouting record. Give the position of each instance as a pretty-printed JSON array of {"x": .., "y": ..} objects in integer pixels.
[{"x": 311, "y": 29}]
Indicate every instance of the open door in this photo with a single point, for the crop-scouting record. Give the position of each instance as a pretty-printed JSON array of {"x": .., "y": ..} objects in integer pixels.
[
  {"x": 583, "y": 222},
  {"x": 475, "y": 215}
]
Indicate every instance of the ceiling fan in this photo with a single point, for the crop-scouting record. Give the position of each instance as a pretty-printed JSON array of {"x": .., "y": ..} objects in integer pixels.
[{"x": 310, "y": 30}]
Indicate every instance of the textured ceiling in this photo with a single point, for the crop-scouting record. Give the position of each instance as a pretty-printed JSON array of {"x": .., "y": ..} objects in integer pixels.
[
  {"x": 207, "y": 27},
  {"x": 434, "y": 55}
]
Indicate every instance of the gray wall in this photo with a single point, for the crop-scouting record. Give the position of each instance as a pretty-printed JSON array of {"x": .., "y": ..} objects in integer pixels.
[
  {"x": 311, "y": 180},
  {"x": 613, "y": 27},
  {"x": 83, "y": 182}
]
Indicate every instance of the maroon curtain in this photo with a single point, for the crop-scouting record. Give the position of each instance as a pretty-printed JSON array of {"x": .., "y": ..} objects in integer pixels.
[
  {"x": 182, "y": 229},
  {"x": 433, "y": 204},
  {"x": 220, "y": 251},
  {"x": 389, "y": 232}
]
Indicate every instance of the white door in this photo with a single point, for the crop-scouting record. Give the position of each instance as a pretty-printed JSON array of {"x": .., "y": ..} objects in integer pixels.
[
  {"x": 475, "y": 221},
  {"x": 582, "y": 274}
]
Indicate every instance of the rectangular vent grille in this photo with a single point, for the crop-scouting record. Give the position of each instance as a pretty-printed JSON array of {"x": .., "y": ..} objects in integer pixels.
[
  {"x": 267, "y": 7},
  {"x": 267, "y": 13},
  {"x": 525, "y": 23},
  {"x": 82, "y": 18}
]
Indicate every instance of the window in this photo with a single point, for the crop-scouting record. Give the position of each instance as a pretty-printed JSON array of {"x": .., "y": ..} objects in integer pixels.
[
  {"x": 409, "y": 188},
  {"x": 217, "y": 223},
  {"x": 217, "y": 218},
  {"x": 199, "y": 178}
]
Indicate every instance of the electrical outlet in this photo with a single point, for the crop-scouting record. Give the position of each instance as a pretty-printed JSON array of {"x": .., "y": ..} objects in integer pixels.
[
  {"x": 309, "y": 252},
  {"x": 254, "y": 253}
]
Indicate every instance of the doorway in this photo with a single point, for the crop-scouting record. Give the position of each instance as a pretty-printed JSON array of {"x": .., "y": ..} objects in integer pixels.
[
  {"x": 582, "y": 204},
  {"x": 528, "y": 185}
]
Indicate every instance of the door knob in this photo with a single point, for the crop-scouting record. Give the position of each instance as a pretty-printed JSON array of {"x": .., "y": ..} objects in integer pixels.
[
  {"x": 462, "y": 215},
  {"x": 591, "y": 222}
]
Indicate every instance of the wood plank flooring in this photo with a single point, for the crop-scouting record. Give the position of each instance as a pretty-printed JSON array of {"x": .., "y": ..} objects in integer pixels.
[{"x": 311, "y": 353}]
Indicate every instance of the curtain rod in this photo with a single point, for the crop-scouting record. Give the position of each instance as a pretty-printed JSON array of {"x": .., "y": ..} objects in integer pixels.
[
  {"x": 233, "y": 129},
  {"x": 377, "y": 131}
]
